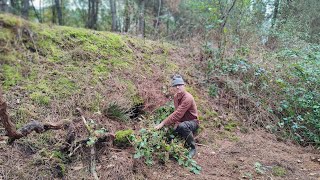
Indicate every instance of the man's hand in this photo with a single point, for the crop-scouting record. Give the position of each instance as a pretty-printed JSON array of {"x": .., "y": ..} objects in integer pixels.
[{"x": 159, "y": 126}]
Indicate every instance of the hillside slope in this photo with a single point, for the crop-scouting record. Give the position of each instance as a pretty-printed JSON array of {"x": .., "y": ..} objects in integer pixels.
[{"x": 48, "y": 71}]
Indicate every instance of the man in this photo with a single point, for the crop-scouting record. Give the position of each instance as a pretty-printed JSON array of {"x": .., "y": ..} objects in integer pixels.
[{"x": 185, "y": 116}]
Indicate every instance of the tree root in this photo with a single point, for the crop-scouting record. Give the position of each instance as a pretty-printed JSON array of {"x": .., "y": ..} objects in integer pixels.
[
  {"x": 36, "y": 126},
  {"x": 71, "y": 145}
]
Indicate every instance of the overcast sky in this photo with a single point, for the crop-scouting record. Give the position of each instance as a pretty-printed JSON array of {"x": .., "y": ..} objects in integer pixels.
[{"x": 36, "y": 3}]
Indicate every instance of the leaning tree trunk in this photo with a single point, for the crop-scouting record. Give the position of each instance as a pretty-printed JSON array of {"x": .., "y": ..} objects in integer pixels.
[
  {"x": 59, "y": 11},
  {"x": 25, "y": 9},
  {"x": 141, "y": 18},
  {"x": 114, "y": 15}
]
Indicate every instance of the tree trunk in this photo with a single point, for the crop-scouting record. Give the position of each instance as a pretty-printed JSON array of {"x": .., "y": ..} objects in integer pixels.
[
  {"x": 275, "y": 12},
  {"x": 158, "y": 17},
  {"x": 59, "y": 11},
  {"x": 40, "y": 11},
  {"x": 222, "y": 39},
  {"x": 93, "y": 7},
  {"x": 3, "y": 6},
  {"x": 36, "y": 12},
  {"x": 114, "y": 15},
  {"x": 141, "y": 18},
  {"x": 25, "y": 9},
  {"x": 127, "y": 16},
  {"x": 54, "y": 14}
]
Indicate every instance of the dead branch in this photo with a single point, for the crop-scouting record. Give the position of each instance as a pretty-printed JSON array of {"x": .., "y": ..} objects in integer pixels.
[
  {"x": 92, "y": 148},
  {"x": 35, "y": 126}
]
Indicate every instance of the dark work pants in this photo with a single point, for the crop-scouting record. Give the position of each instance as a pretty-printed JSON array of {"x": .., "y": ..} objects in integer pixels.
[{"x": 187, "y": 128}]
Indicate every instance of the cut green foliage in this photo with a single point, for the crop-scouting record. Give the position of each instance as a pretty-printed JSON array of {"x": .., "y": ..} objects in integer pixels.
[
  {"x": 161, "y": 145},
  {"x": 163, "y": 112},
  {"x": 154, "y": 146}
]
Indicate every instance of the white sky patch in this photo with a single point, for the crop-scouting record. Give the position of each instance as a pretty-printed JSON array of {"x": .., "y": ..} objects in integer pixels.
[{"x": 36, "y": 3}]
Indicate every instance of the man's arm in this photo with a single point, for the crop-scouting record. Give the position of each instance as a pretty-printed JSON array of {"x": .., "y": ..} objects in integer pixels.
[{"x": 177, "y": 114}]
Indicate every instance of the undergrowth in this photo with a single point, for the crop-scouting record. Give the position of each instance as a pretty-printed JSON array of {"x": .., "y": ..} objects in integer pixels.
[
  {"x": 285, "y": 84},
  {"x": 162, "y": 145}
]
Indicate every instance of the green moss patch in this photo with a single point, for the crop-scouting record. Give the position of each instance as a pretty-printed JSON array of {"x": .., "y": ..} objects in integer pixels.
[
  {"x": 122, "y": 138},
  {"x": 279, "y": 171},
  {"x": 11, "y": 75}
]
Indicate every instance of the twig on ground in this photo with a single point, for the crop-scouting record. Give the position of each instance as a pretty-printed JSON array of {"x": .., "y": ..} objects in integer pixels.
[{"x": 92, "y": 148}]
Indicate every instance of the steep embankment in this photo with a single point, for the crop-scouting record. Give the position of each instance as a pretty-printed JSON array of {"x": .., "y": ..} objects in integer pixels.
[{"x": 48, "y": 71}]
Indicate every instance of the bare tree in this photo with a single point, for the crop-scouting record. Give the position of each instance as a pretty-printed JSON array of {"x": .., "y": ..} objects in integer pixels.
[{"x": 114, "y": 15}]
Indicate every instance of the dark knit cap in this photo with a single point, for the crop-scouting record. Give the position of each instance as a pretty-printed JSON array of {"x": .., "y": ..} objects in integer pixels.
[{"x": 177, "y": 80}]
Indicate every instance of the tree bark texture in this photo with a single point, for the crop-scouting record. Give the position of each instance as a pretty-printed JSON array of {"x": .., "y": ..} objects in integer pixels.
[
  {"x": 114, "y": 15},
  {"x": 141, "y": 18},
  {"x": 59, "y": 11},
  {"x": 93, "y": 8},
  {"x": 127, "y": 16}
]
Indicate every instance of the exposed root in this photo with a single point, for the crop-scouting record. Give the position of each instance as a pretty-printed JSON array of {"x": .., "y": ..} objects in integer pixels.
[{"x": 36, "y": 126}]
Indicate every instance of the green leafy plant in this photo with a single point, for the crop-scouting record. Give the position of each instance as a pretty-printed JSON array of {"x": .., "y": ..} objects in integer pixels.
[
  {"x": 155, "y": 145},
  {"x": 259, "y": 168},
  {"x": 162, "y": 113},
  {"x": 95, "y": 133},
  {"x": 213, "y": 90}
]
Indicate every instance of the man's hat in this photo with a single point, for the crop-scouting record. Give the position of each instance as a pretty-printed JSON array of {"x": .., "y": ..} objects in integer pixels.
[{"x": 177, "y": 80}]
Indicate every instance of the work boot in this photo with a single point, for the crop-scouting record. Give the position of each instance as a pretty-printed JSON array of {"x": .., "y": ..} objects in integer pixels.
[{"x": 192, "y": 145}]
